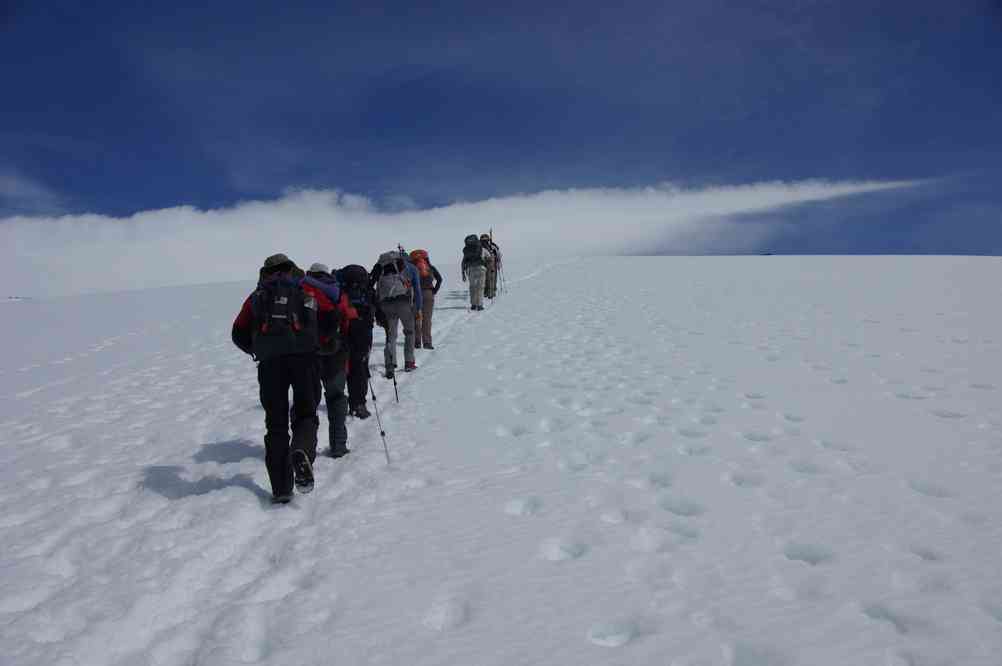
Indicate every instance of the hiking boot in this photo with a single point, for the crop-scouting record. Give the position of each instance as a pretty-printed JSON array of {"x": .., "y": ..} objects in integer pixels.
[
  {"x": 389, "y": 373},
  {"x": 281, "y": 498},
  {"x": 303, "y": 470},
  {"x": 360, "y": 411},
  {"x": 410, "y": 367},
  {"x": 340, "y": 453},
  {"x": 428, "y": 346}
]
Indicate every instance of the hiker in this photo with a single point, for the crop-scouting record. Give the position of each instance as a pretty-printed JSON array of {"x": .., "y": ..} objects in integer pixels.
[
  {"x": 332, "y": 360},
  {"x": 399, "y": 302},
  {"x": 354, "y": 282},
  {"x": 493, "y": 259},
  {"x": 490, "y": 264},
  {"x": 475, "y": 269},
  {"x": 281, "y": 325},
  {"x": 431, "y": 282}
]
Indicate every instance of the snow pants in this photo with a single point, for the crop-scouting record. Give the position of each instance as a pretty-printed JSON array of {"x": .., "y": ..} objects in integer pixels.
[
  {"x": 400, "y": 311},
  {"x": 275, "y": 376},
  {"x": 359, "y": 345},
  {"x": 333, "y": 376},
  {"x": 476, "y": 275},
  {"x": 491, "y": 281},
  {"x": 422, "y": 332}
]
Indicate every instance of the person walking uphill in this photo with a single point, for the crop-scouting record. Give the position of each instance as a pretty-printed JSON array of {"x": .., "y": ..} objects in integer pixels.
[
  {"x": 354, "y": 282},
  {"x": 280, "y": 325},
  {"x": 431, "y": 282},
  {"x": 399, "y": 302},
  {"x": 475, "y": 270},
  {"x": 332, "y": 360},
  {"x": 492, "y": 259}
]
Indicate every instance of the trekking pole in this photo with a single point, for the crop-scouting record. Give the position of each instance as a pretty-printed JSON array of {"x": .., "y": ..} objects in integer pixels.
[
  {"x": 395, "y": 392},
  {"x": 379, "y": 421}
]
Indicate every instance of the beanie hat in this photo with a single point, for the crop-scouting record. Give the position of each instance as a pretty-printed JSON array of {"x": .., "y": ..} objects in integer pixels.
[{"x": 319, "y": 268}]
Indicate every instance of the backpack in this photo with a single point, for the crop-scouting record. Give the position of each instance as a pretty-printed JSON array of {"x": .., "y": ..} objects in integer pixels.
[
  {"x": 420, "y": 259},
  {"x": 393, "y": 283},
  {"x": 354, "y": 281},
  {"x": 285, "y": 320},
  {"x": 473, "y": 253}
]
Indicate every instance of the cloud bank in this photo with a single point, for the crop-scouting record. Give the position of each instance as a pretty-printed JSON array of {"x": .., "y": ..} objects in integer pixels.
[{"x": 54, "y": 256}]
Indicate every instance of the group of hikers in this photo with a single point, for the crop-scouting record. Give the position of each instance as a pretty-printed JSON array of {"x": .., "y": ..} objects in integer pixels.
[{"x": 311, "y": 331}]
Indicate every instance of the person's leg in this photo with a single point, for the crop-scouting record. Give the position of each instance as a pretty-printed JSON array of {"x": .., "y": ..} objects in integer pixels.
[
  {"x": 407, "y": 320},
  {"x": 337, "y": 411},
  {"x": 477, "y": 285},
  {"x": 390, "y": 351},
  {"x": 358, "y": 362},
  {"x": 304, "y": 370},
  {"x": 325, "y": 370},
  {"x": 274, "y": 391},
  {"x": 428, "y": 299},
  {"x": 418, "y": 335}
]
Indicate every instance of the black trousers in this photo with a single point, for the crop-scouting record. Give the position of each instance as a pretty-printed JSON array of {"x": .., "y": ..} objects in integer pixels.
[
  {"x": 275, "y": 377},
  {"x": 359, "y": 345},
  {"x": 332, "y": 376}
]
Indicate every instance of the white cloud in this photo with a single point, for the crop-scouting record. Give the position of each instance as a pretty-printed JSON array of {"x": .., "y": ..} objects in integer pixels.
[{"x": 71, "y": 254}]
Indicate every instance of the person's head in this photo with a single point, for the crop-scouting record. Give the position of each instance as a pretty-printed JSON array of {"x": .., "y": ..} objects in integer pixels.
[
  {"x": 318, "y": 270},
  {"x": 276, "y": 264},
  {"x": 485, "y": 239}
]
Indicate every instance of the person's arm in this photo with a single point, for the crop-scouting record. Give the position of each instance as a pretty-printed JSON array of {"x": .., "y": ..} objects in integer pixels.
[
  {"x": 436, "y": 279},
  {"x": 241, "y": 331},
  {"x": 415, "y": 276}
]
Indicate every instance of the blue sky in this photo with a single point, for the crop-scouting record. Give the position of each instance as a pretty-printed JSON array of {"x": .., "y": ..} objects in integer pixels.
[{"x": 122, "y": 108}]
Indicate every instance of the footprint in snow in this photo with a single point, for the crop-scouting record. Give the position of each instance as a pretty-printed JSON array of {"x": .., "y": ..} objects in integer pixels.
[
  {"x": 560, "y": 549},
  {"x": 523, "y": 506},
  {"x": 812, "y": 554},
  {"x": 694, "y": 449},
  {"x": 447, "y": 612},
  {"x": 681, "y": 506},
  {"x": 807, "y": 467},
  {"x": 903, "y": 624},
  {"x": 930, "y": 489},
  {"x": 741, "y": 479},
  {"x": 831, "y": 445},
  {"x": 613, "y": 634}
]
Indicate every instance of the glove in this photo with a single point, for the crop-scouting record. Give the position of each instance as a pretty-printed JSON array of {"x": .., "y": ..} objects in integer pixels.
[{"x": 418, "y": 316}]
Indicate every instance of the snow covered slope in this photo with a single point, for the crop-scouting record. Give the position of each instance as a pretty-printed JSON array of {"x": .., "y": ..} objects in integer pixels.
[{"x": 702, "y": 461}]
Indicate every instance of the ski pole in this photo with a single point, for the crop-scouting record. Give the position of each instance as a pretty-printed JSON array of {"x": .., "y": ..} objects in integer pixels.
[
  {"x": 379, "y": 422},
  {"x": 395, "y": 392}
]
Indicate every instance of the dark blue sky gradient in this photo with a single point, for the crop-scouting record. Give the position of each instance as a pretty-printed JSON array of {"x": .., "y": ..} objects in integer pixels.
[{"x": 122, "y": 107}]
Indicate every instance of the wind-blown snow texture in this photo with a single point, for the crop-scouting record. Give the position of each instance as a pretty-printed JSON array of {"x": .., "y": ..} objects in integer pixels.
[{"x": 743, "y": 461}]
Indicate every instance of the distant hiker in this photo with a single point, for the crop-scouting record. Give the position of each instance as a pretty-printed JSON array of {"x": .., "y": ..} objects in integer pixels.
[
  {"x": 431, "y": 282},
  {"x": 490, "y": 263},
  {"x": 332, "y": 360},
  {"x": 281, "y": 325},
  {"x": 399, "y": 302},
  {"x": 475, "y": 269},
  {"x": 354, "y": 282}
]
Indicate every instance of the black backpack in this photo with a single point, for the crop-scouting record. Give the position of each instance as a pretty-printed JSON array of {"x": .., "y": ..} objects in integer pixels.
[
  {"x": 472, "y": 252},
  {"x": 354, "y": 281},
  {"x": 285, "y": 320}
]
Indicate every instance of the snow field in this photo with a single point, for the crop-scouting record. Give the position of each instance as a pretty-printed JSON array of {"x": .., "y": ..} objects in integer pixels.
[{"x": 689, "y": 461}]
